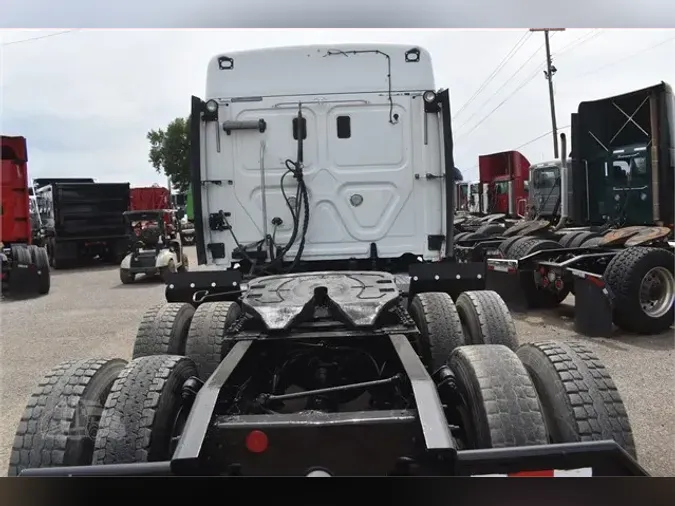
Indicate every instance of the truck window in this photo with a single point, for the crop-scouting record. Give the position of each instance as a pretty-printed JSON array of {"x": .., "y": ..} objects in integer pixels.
[
  {"x": 545, "y": 178},
  {"x": 344, "y": 127},
  {"x": 501, "y": 188}
]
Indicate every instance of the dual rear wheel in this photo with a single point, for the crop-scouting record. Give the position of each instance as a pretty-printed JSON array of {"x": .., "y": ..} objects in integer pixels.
[{"x": 511, "y": 395}]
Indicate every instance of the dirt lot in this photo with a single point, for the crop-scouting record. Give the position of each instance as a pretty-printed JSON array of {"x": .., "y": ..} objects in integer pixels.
[{"x": 90, "y": 314}]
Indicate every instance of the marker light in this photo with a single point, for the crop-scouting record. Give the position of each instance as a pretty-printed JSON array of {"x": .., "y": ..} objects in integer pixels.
[
  {"x": 212, "y": 106},
  {"x": 429, "y": 97},
  {"x": 256, "y": 441}
]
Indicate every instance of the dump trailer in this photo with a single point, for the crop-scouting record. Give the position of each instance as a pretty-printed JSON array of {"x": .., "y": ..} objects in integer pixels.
[
  {"x": 84, "y": 220},
  {"x": 24, "y": 265},
  {"x": 149, "y": 198},
  {"x": 332, "y": 334}
]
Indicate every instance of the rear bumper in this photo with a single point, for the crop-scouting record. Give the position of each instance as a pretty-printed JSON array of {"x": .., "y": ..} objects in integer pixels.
[{"x": 597, "y": 458}]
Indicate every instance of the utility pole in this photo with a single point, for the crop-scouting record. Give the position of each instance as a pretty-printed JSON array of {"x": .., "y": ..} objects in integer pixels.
[{"x": 549, "y": 73}]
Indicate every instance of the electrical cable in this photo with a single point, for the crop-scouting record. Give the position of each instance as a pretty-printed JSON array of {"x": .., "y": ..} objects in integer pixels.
[
  {"x": 38, "y": 38},
  {"x": 496, "y": 71},
  {"x": 621, "y": 60},
  {"x": 487, "y": 116},
  {"x": 503, "y": 85},
  {"x": 578, "y": 42}
]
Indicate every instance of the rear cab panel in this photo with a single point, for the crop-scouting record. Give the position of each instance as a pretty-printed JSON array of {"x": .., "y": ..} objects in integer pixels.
[{"x": 367, "y": 151}]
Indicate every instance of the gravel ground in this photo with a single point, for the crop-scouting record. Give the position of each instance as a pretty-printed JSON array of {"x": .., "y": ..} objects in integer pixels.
[{"x": 90, "y": 314}]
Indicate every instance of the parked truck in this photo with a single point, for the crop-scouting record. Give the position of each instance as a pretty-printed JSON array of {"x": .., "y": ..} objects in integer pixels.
[
  {"x": 504, "y": 178},
  {"x": 333, "y": 346},
  {"x": 25, "y": 266},
  {"x": 612, "y": 242},
  {"x": 83, "y": 220}
]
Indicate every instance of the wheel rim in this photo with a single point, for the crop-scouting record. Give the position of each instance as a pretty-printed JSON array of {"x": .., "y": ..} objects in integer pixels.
[
  {"x": 177, "y": 429},
  {"x": 657, "y": 289}
]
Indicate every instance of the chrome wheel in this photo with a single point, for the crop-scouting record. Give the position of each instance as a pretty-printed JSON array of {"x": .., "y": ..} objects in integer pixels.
[{"x": 657, "y": 291}]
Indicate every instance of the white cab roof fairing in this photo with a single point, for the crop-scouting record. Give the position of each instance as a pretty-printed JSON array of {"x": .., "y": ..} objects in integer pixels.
[{"x": 308, "y": 70}]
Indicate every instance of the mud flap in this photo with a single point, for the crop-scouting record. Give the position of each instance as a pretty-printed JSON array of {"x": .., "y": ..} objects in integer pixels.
[
  {"x": 503, "y": 277},
  {"x": 592, "y": 304},
  {"x": 450, "y": 277},
  {"x": 23, "y": 279},
  {"x": 195, "y": 287}
]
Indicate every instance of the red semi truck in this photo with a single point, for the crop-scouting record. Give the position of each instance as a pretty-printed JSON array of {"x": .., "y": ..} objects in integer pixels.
[
  {"x": 25, "y": 266},
  {"x": 504, "y": 179}
]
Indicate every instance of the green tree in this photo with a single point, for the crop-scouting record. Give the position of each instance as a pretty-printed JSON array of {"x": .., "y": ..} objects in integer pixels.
[{"x": 170, "y": 151}]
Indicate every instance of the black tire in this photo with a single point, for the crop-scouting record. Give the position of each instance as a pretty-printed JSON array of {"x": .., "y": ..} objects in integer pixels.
[
  {"x": 506, "y": 244},
  {"x": 164, "y": 330},
  {"x": 592, "y": 242},
  {"x": 486, "y": 319},
  {"x": 532, "y": 244},
  {"x": 40, "y": 258},
  {"x": 440, "y": 328},
  {"x": 501, "y": 407},
  {"x": 581, "y": 238},
  {"x": 137, "y": 424},
  {"x": 21, "y": 253},
  {"x": 624, "y": 274},
  {"x": 566, "y": 239},
  {"x": 127, "y": 277},
  {"x": 207, "y": 342},
  {"x": 461, "y": 236},
  {"x": 490, "y": 229},
  {"x": 577, "y": 394},
  {"x": 534, "y": 296},
  {"x": 63, "y": 412}
]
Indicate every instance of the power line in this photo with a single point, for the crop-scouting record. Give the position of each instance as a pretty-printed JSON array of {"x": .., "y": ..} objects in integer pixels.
[
  {"x": 38, "y": 38},
  {"x": 502, "y": 86},
  {"x": 621, "y": 60},
  {"x": 522, "y": 85},
  {"x": 539, "y": 137},
  {"x": 579, "y": 42},
  {"x": 494, "y": 73}
]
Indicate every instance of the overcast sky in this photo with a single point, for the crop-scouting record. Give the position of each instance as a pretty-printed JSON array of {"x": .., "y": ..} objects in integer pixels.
[{"x": 86, "y": 99}]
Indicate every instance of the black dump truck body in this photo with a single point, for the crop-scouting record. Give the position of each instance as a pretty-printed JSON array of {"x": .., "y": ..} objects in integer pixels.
[
  {"x": 623, "y": 158},
  {"x": 84, "y": 219}
]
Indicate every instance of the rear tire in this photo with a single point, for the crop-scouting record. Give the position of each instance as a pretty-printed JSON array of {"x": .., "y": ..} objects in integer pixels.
[
  {"x": 207, "y": 342},
  {"x": 138, "y": 423},
  {"x": 506, "y": 245},
  {"x": 592, "y": 242},
  {"x": 536, "y": 297},
  {"x": 41, "y": 260},
  {"x": 127, "y": 277},
  {"x": 440, "y": 328},
  {"x": 578, "y": 397},
  {"x": 566, "y": 239},
  {"x": 581, "y": 238},
  {"x": 486, "y": 319},
  {"x": 501, "y": 407},
  {"x": 625, "y": 274},
  {"x": 59, "y": 423},
  {"x": 164, "y": 330},
  {"x": 489, "y": 230}
]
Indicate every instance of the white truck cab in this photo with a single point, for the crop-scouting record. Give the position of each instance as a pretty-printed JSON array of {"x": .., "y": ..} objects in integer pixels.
[{"x": 369, "y": 132}]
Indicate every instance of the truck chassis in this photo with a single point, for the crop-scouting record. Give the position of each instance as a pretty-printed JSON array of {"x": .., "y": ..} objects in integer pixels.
[{"x": 331, "y": 373}]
